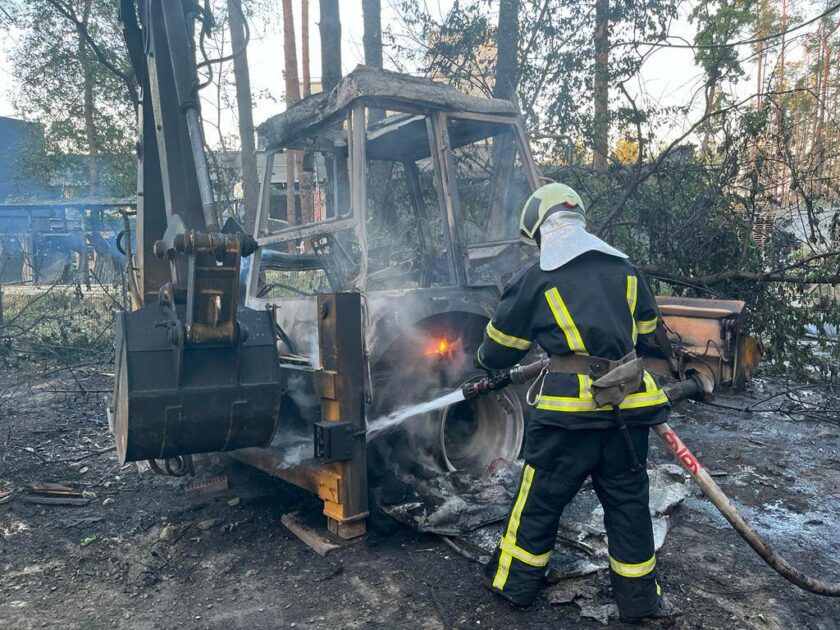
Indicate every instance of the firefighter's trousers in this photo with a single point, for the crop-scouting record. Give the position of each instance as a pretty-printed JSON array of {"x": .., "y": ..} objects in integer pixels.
[{"x": 558, "y": 461}]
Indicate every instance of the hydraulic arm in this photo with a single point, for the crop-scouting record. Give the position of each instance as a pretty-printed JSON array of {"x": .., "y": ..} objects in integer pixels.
[{"x": 196, "y": 372}]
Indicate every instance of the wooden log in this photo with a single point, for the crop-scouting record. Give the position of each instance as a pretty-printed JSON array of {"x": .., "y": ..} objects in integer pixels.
[{"x": 319, "y": 543}]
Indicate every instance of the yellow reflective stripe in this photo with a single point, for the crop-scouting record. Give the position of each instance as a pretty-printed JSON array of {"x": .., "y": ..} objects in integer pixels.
[
  {"x": 565, "y": 321},
  {"x": 632, "y": 296},
  {"x": 652, "y": 396},
  {"x": 635, "y": 401},
  {"x": 520, "y": 554},
  {"x": 658, "y": 588},
  {"x": 513, "y": 526},
  {"x": 633, "y": 570},
  {"x": 646, "y": 326},
  {"x": 562, "y": 403},
  {"x": 504, "y": 339},
  {"x": 584, "y": 386}
]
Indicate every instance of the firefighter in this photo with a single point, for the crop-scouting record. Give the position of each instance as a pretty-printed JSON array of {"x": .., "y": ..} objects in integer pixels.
[{"x": 588, "y": 308}]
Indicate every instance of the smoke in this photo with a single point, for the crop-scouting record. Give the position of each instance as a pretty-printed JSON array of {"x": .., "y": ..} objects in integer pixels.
[
  {"x": 314, "y": 352},
  {"x": 303, "y": 395},
  {"x": 300, "y": 409},
  {"x": 411, "y": 380}
]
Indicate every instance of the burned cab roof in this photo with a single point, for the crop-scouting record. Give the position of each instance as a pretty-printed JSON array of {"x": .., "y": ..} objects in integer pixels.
[{"x": 377, "y": 88}]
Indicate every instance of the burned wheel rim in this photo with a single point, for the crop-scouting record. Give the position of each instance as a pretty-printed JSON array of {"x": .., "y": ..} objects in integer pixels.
[{"x": 475, "y": 433}]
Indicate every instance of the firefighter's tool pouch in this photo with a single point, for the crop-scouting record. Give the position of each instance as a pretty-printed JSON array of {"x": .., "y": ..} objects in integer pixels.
[{"x": 614, "y": 386}]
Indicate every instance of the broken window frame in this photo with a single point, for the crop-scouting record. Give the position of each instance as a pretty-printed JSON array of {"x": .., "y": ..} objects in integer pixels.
[
  {"x": 445, "y": 183},
  {"x": 448, "y": 192}
]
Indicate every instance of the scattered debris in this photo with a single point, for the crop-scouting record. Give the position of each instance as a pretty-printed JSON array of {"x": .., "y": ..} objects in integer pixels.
[
  {"x": 52, "y": 489},
  {"x": 43, "y": 493},
  {"x": 234, "y": 502},
  {"x": 207, "y": 524},
  {"x": 471, "y": 511},
  {"x": 568, "y": 590},
  {"x": 107, "y": 501},
  {"x": 167, "y": 533},
  {"x": 89, "y": 540},
  {"x": 316, "y": 541},
  {"x": 602, "y": 613},
  {"x": 5, "y": 497},
  {"x": 207, "y": 488},
  {"x": 15, "y": 527},
  {"x": 88, "y": 520}
]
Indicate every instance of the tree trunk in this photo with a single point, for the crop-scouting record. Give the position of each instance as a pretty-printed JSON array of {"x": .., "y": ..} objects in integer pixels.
[
  {"x": 779, "y": 172},
  {"x": 250, "y": 178},
  {"x": 820, "y": 152},
  {"x": 87, "y": 77},
  {"x": 372, "y": 40},
  {"x": 307, "y": 164},
  {"x": 601, "y": 123},
  {"x": 330, "y": 28},
  {"x": 304, "y": 44},
  {"x": 707, "y": 132},
  {"x": 293, "y": 158},
  {"x": 379, "y": 173},
  {"x": 504, "y": 86},
  {"x": 507, "y": 46},
  {"x": 90, "y": 134}
]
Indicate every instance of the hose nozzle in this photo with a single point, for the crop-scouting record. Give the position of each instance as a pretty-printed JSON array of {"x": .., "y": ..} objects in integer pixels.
[{"x": 495, "y": 381}]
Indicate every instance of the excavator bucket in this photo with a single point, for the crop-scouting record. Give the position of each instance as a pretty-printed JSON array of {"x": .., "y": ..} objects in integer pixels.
[{"x": 173, "y": 400}]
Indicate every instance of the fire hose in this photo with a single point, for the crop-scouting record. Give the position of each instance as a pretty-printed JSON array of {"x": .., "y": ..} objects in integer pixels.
[{"x": 678, "y": 391}]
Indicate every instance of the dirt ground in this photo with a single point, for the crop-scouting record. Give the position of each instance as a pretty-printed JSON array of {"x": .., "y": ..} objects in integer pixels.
[{"x": 142, "y": 555}]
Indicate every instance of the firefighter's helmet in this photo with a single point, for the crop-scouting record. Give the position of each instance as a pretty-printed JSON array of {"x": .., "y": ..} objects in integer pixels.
[{"x": 545, "y": 201}]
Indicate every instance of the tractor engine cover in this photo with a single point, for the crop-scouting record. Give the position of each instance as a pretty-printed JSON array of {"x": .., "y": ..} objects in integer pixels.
[{"x": 175, "y": 398}]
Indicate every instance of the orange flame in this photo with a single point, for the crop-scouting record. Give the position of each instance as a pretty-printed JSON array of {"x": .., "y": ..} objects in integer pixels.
[{"x": 441, "y": 347}]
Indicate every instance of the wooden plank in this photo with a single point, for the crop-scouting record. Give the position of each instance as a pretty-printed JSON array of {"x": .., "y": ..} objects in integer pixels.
[{"x": 318, "y": 543}]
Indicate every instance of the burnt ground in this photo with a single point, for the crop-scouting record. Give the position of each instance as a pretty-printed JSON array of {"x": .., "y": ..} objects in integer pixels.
[{"x": 229, "y": 563}]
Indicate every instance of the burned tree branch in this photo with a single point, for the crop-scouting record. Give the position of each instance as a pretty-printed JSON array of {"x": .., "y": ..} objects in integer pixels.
[{"x": 782, "y": 275}]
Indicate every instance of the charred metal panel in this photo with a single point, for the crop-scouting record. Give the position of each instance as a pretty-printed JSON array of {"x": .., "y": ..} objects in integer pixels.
[{"x": 708, "y": 339}]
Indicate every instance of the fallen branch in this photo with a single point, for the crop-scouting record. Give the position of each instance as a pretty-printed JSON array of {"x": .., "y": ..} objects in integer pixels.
[{"x": 737, "y": 274}]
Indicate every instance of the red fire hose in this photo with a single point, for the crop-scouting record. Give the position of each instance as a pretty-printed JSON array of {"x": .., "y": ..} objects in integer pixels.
[
  {"x": 731, "y": 514},
  {"x": 688, "y": 461}
]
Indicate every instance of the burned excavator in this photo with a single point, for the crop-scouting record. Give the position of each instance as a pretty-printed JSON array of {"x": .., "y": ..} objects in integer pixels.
[{"x": 371, "y": 275}]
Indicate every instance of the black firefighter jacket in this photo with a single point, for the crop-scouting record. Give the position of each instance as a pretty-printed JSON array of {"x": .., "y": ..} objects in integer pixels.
[{"x": 594, "y": 305}]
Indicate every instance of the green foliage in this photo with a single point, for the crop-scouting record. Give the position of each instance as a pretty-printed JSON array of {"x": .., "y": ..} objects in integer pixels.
[
  {"x": 718, "y": 23},
  {"x": 49, "y": 66},
  {"x": 556, "y": 59}
]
